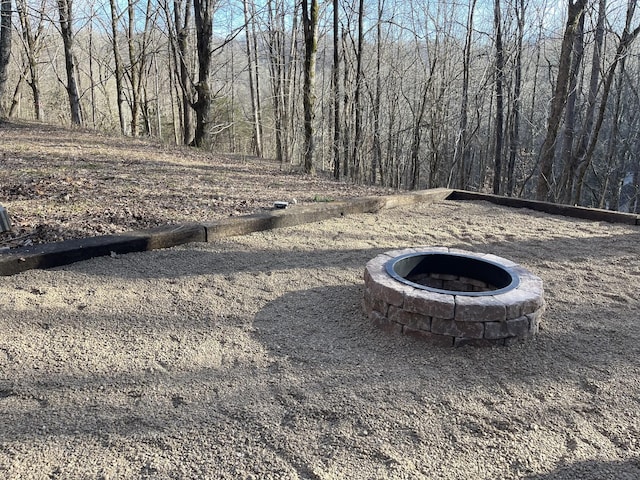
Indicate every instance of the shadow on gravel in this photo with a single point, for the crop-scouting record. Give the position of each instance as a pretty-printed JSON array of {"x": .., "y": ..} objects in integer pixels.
[
  {"x": 210, "y": 259},
  {"x": 325, "y": 326},
  {"x": 186, "y": 262},
  {"x": 594, "y": 470}
]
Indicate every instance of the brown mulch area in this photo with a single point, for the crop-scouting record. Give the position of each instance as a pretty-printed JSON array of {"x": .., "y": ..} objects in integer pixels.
[{"x": 58, "y": 183}]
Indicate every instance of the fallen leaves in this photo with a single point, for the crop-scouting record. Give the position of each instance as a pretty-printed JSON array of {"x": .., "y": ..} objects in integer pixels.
[{"x": 121, "y": 184}]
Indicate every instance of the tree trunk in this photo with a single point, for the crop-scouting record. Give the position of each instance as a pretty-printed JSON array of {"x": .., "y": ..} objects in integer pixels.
[
  {"x": 92, "y": 83},
  {"x": 461, "y": 152},
  {"x": 594, "y": 83},
  {"x": 564, "y": 190},
  {"x": 175, "y": 110},
  {"x": 612, "y": 142},
  {"x": 356, "y": 173},
  {"x": 416, "y": 140},
  {"x": 627, "y": 38},
  {"x": 204, "y": 36},
  {"x": 66, "y": 24},
  {"x": 32, "y": 44},
  {"x": 346, "y": 131},
  {"x": 310, "y": 28},
  {"x": 5, "y": 47},
  {"x": 182, "y": 25},
  {"x": 499, "y": 79},
  {"x": 256, "y": 64},
  {"x": 279, "y": 77},
  {"x": 137, "y": 48},
  {"x": 17, "y": 96},
  {"x": 119, "y": 73},
  {"x": 547, "y": 152},
  {"x": 634, "y": 206},
  {"x": 156, "y": 85},
  {"x": 335, "y": 76},
  {"x": 253, "y": 77},
  {"x": 134, "y": 74},
  {"x": 514, "y": 130},
  {"x": 376, "y": 162}
]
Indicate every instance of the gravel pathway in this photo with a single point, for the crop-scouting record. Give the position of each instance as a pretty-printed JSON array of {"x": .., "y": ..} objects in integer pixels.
[{"x": 250, "y": 357}]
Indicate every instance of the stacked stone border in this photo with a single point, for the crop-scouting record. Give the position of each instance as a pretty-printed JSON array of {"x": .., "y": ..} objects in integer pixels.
[
  {"x": 62, "y": 253},
  {"x": 453, "y": 319}
]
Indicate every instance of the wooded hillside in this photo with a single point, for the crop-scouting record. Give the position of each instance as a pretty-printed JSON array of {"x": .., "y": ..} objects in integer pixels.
[{"x": 524, "y": 98}]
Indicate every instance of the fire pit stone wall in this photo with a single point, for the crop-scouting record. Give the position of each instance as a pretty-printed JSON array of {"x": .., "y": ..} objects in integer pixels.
[{"x": 453, "y": 318}]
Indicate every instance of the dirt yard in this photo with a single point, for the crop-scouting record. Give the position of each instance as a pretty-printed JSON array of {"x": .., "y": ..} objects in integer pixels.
[
  {"x": 250, "y": 358},
  {"x": 59, "y": 184}
]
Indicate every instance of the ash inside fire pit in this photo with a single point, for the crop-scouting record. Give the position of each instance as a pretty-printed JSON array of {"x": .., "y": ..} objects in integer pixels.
[{"x": 453, "y": 297}]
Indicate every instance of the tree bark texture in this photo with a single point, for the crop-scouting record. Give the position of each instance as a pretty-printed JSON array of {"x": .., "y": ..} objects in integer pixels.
[
  {"x": 204, "y": 36},
  {"x": 119, "y": 72},
  {"x": 182, "y": 25},
  {"x": 582, "y": 144},
  {"x": 376, "y": 162},
  {"x": 499, "y": 81},
  {"x": 547, "y": 152},
  {"x": 627, "y": 38},
  {"x": 461, "y": 154},
  {"x": 5, "y": 47},
  {"x": 514, "y": 123},
  {"x": 32, "y": 44},
  {"x": 310, "y": 28},
  {"x": 335, "y": 79},
  {"x": 570, "y": 119},
  {"x": 356, "y": 166},
  {"x": 254, "y": 91},
  {"x": 65, "y": 10}
]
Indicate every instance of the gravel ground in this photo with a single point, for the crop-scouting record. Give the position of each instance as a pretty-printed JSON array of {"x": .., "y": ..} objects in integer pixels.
[{"x": 250, "y": 357}]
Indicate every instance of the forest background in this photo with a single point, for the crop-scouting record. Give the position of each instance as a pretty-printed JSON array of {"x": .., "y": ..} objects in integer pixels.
[{"x": 529, "y": 98}]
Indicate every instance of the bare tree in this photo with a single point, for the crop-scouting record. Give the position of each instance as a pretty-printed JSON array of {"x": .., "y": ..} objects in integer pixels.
[
  {"x": 335, "y": 80},
  {"x": 347, "y": 107},
  {"x": 462, "y": 152},
  {"x": 567, "y": 185},
  {"x": 514, "y": 121},
  {"x": 276, "y": 45},
  {"x": 610, "y": 179},
  {"x": 547, "y": 152},
  {"x": 65, "y": 10},
  {"x": 181, "y": 25},
  {"x": 570, "y": 116},
  {"x": 203, "y": 17},
  {"x": 137, "y": 71},
  {"x": 31, "y": 41},
  {"x": 310, "y": 29},
  {"x": 254, "y": 84},
  {"x": 499, "y": 81},
  {"x": 376, "y": 160},
  {"x": 356, "y": 166},
  {"x": 5, "y": 46},
  {"x": 119, "y": 69},
  {"x": 626, "y": 39}
]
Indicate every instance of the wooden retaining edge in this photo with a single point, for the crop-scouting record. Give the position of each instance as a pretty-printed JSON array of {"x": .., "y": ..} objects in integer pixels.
[
  {"x": 318, "y": 212},
  {"x": 69, "y": 251},
  {"x": 55, "y": 254},
  {"x": 593, "y": 214}
]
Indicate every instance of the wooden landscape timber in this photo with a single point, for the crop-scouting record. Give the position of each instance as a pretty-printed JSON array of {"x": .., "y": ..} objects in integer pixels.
[{"x": 69, "y": 251}]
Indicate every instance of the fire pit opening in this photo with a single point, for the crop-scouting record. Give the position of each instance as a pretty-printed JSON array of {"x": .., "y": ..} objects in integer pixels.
[
  {"x": 452, "y": 297},
  {"x": 452, "y": 273}
]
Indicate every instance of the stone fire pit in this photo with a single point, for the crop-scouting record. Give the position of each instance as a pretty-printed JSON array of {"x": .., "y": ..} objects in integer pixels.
[{"x": 452, "y": 297}]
